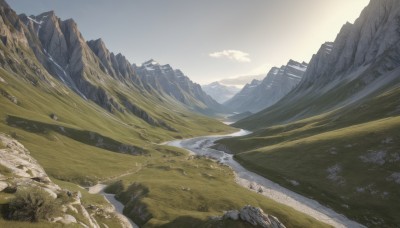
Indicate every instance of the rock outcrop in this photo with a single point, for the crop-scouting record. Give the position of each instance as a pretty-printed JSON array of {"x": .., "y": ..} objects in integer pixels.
[
  {"x": 24, "y": 172},
  {"x": 254, "y": 216}
]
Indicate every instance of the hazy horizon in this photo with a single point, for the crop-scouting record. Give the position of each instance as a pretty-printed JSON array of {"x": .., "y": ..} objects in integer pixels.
[{"x": 207, "y": 40}]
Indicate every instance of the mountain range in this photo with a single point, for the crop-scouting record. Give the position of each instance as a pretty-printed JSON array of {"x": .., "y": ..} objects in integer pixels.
[
  {"x": 240, "y": 81},
  {"x": 76, "y": 116},
  {"x": 174, "y": 84},
  {"x": 259, "y": 95},
  {"x": 220, "y": 92}
]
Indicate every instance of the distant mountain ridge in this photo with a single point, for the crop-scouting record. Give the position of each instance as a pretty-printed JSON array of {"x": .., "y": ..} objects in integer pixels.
[
  {"x": 175, "y": 84},
  {"x": 240, "y": 81},
  {"x": 259, "y": 95},
  {"x": 220, "y": 92}
]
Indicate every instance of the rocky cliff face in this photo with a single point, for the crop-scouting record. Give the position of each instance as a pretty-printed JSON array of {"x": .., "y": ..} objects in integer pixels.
[
  {"x": 23, "y": 173},
  {"x": 259, "y": 95},
  {"x": 115, "y": 65},
  {"x": 220, "y": 92},
  {"x": 173, "y": 83},
  {"x": 360, "y": 63}
]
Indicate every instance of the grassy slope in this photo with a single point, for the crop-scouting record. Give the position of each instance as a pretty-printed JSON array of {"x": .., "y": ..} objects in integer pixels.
[
  {"x": 304, "y": 150},
  {"x": 197, "y": 189},
  {"x": 71, "y": 160}
]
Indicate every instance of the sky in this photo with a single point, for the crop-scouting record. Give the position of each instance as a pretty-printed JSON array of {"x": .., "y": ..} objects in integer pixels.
[{"x": 207, "y": 39}]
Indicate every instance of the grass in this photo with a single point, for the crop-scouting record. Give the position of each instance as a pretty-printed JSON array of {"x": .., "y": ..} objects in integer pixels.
[
  {"x": 171, "y": 191},
  {"x": 304, "y": 150}
]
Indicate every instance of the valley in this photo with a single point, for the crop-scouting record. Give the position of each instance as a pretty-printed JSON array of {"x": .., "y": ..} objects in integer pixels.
[
  {"x": 90, "y": 139},
  {"x": 202, "y": 146}
]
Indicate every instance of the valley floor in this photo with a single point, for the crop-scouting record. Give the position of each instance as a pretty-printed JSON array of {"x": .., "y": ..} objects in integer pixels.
[{"x": 201, "y": 146}]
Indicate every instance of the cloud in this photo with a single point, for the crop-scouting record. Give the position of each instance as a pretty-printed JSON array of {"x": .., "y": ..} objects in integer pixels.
[{"x": 236, "y": 55}]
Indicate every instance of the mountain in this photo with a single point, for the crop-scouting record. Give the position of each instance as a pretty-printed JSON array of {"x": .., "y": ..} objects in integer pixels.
[
  {"x": 335, "y": 136},
  {"x": 240, "y": 81},
  {"x": 220, "y": 92},
  {"x": 358, "y": 64},
  {"x": 172, "y": 83},
  {"x": 259, "y": 95},
  {"x": 74, "y": 116}
]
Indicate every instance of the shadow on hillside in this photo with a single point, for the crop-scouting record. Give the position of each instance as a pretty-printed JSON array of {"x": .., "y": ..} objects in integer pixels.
[
  {"x": 86, "y": 137},
  {"x": 187, "y": 221}
]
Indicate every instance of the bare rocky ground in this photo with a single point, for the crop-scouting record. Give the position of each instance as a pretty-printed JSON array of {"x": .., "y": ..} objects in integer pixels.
[{"x": 24, "y": 172}]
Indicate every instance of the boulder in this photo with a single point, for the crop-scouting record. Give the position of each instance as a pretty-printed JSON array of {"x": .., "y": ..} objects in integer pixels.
[
  {"x": 3, "y": 185},
  {"x": 257, "y": 217},
  {"x": 234, "y": 215},
  {"x": 68, "y": 219},
  {"x": 54, "y": 116}
]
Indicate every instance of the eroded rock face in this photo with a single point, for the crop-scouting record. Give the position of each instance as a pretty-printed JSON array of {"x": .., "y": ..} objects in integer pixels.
[
  {"x": 25, "y": 172},
  {"x": 254, "y": 216}
]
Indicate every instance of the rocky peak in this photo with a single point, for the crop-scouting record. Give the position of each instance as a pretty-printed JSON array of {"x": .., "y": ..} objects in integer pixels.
[
  {"x": 4, "y": 4},
  {"x": 255, "y": 82},
  {"x": 261, "y": 94},
  {"x": 99, "y": 48},
  {"x": 359, "y": 44},
  {"x": 151, "y": 62}
]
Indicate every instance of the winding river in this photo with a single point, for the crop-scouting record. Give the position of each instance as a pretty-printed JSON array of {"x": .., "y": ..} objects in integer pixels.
[{"x": 255, "y": 182}]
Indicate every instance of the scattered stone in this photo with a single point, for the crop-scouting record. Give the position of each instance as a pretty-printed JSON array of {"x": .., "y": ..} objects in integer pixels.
[
  {"x": 233, "y": 215},
  {"x": 394, "y": 177},
  {"x": 394, "y": 157},
  {"x": 9, "y": 96},
  {"x": 333, "y": 174},
  {"x": 333, "y": 151},
  {"x": 374, "y": 157},
  {"x": 251, "y": 186},
  {"x": 54, "y": 116},
  {"x": 387, "y": 140}
]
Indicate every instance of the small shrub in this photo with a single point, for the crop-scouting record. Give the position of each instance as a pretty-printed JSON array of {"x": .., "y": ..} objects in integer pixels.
[
  {"x": 115, "y": 188},
  {"x": 33, "y": 205}
]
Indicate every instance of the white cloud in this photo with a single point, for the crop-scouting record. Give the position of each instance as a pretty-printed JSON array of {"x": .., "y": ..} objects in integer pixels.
[{"x": 233, "y": 55}]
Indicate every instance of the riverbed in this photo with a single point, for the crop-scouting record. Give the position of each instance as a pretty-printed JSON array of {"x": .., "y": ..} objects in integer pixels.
[
  {"x": 201, "y": 146},
  {"x": 118, "y": 206}
]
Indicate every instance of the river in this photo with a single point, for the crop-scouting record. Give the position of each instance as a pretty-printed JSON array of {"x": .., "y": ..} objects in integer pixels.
[{"x": 201, "y": 146}]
